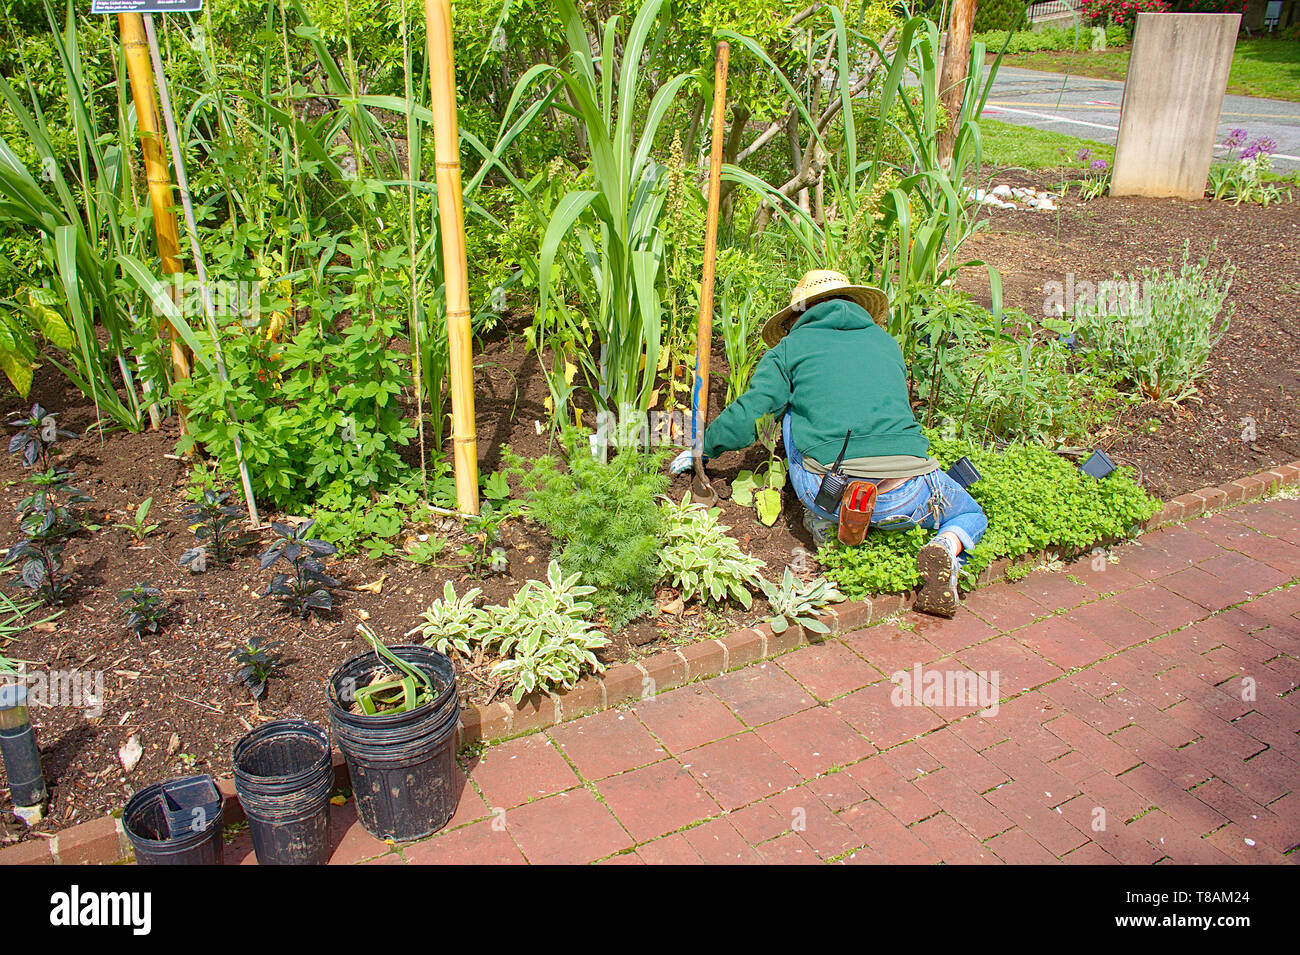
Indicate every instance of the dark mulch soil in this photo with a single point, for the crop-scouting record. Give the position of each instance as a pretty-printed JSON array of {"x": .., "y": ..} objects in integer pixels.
[
  {"x": 1254, "y": 372},
  {"x": 173, "y": 690}
]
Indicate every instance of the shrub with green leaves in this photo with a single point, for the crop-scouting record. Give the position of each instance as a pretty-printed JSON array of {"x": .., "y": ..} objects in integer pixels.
[
  {"x": 1034, "y": 500},
  {"x": 603, "y": 517},
  {"x": 699, "y": 556},
  {"x": 1159, "y": 335}
]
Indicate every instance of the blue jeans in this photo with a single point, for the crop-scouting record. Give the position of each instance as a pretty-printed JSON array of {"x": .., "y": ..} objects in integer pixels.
[{"x": 903, "y": 508}]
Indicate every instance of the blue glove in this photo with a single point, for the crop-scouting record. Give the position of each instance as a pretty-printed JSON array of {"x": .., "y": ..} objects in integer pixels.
[{"x": 684, "y": 462}]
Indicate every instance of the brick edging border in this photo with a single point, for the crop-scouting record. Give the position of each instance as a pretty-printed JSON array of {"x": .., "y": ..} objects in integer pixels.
[{"x": 104, "y": 841}]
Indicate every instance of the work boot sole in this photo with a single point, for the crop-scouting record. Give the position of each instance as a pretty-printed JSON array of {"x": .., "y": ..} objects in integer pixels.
[{"x": 938, "y": 594}]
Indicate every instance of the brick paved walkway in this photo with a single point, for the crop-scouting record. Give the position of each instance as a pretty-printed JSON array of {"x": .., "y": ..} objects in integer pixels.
[{"x": 1123, "y": 735}]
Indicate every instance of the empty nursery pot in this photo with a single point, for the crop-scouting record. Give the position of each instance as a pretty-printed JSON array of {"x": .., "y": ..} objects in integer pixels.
[
  {"x": 283, "y": 777},
  {"x": 403, "y": 765},
  {"x": 145, "y": 820}
]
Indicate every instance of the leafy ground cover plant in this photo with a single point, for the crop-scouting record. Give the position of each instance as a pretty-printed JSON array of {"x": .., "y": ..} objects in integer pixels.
[
  {"x": 545, "y": 636},
  {"x": 1160, "y": 335},
  {"x": 698, "y": 556},
  {"x": 543, "y": 633},
  {"x": 1034, "y": 499},
  {"x": 143, "y": 608},
  {"x": 257, "y": 662},
  {"x": 603, "y": 517},
  {"x": 762, "y": 488},
  {"x": 306, "y": 587},
  {"x": 796, "y": 602},
  {"x": 217, "y": 527}
]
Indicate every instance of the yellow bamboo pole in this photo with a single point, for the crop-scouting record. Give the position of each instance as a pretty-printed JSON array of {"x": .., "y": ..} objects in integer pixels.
[
  {"x": 451, "y": 218},
  {"x": 136, "y": 48}
]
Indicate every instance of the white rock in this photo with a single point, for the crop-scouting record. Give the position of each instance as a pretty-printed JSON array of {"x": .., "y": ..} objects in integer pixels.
[
  {"x": 979, "y": 195},
  {"x": 1002, "y": 191},
  {"x": 131, "y": 752}
]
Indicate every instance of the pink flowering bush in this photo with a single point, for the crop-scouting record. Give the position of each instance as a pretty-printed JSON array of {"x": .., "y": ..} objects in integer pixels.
[{"x": 1122, "y": 12}]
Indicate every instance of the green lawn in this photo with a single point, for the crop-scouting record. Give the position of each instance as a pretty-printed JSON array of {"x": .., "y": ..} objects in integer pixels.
[
  {"x": 1259, "y": 67},
  {"x": 1029, "y": 148}
]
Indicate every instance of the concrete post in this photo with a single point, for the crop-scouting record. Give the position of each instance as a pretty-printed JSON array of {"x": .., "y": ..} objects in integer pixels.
[{"x": 1177, "y": 76}]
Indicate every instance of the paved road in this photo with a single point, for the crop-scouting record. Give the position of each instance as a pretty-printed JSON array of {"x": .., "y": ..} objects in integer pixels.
[{"x": 1087, "y": 107}]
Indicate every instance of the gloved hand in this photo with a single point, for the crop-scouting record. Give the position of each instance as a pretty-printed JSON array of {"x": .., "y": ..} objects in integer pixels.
[{"x": 684, "y": 462}]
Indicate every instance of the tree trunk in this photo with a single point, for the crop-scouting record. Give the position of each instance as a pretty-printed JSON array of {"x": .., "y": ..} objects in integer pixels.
[{"x": 952, "y": 78}]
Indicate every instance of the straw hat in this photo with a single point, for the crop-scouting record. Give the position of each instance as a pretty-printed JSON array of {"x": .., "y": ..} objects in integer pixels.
[{"x": 816, "y": 286}]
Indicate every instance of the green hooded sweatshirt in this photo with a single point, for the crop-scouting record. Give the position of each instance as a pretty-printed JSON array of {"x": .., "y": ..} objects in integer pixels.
[{"x": 836, "y": 370}]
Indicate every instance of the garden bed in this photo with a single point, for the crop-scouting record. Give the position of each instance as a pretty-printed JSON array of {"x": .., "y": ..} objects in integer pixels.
[
  {"x": 1253, "y": 373},
  {"x": 173, "y": 691}
]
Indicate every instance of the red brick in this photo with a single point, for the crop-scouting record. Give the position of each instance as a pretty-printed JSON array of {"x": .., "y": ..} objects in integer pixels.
[
  {"x": 670, "y": 850},
  {"x": 853, "y": 614},
  {"x": 837, "y": 790},
  {"x": 739, "y": 770},
  {"x": 607, "y": 743},
  {"x": 1053, "y": 590},
  {"x": 814, "y": 741},
  {"x": 1234, "y": 493},
  {"x": 626, "y": 681},
  {"x": 1016, "y": 847},
  {"x": 1094, "y": 745},
  {"x": 888, "y": 648},
  {"x": 484, "y": 843},
  {"x": 781, "y": 643},
  {"x": 830, "y": 669},
  {"x": 665, "y": 670},
  {"x": 533, "y": 712},
  {"x": 762, "y": 693},
  {"x": 657, "y": 799},
  {"x": 35, "y": 851},
  {"x": 808, "y": 817},
  {"x": 953, "y": 844},
  {"x": 703, "y": 659},
  {"x": 1090, "y": 854},
  {"x": 521, "y": 769},
  {"x": 495, "y": 720},
  {"x": 1048, "y": 787},
  {"x": 1231, "y": 840},
  {"x": 1023, "y": 806},
  {"x": 1193, "y": 506},
  {"x": 1170, "y": 513},
  {"x": 570, "y": 828},
  {"x": 1251, "y": 488},
  {"x": 789, "y": 849},
  {"x": 586, "y": 696},
  {"x": 872, "y": 712},
  {"x": 1176, "y": 841},
  {"x": 1004, "y": 608},
  {"x": 1214, "y": 497},
  {"x": 352, "y": 844},
  {"x": 687, "y": 717},
  {"x": 951, "y": 636},
  {"x": 905, "y": 801},
  {"x": 886, "y": 836},
  {"x": 97, "y": 842},
  {"x": 910, "y": 760},
  {"x": 1161, "y": 606},
  {"x": 953, "y": 752},
  {"x": 744, "y": 647},
  {"x": 949, "y": 790},
  {"x": 1016, "y": 667},
  {"x": 718, "y": 843},
  {"x": 1062, "y": 643}
]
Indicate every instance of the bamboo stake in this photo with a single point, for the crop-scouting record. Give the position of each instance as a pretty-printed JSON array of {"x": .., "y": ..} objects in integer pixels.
[
  {"x": 136, "y": 48},
  {"x": 704, "y": 324},
  {"x": 200, "y": 270},
  {"x": 451, "y": 220}
]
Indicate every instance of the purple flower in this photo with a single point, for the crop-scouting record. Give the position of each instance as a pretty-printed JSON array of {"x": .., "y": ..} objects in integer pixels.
[
  {"x": 1265, "y": 144},
  {"x": 1084, "y": 155},
  {"x": 1099, "y": 165},
  {"x": 1235, "y": 138}
]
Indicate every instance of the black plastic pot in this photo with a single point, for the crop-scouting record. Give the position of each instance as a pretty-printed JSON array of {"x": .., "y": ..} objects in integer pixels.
[
  {"x": 145, "y": 822},
  {"x": 18, "y": 749},
  {"x": 283, "y": 777},
  {"x": 403, "y": 765}
]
